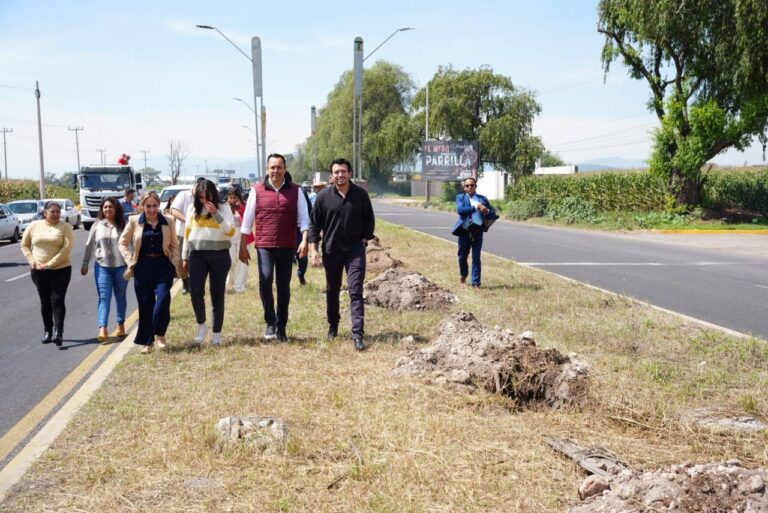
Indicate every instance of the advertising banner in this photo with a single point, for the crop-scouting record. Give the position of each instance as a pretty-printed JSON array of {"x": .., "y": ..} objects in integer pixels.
[{"x": 448, "y": 161}]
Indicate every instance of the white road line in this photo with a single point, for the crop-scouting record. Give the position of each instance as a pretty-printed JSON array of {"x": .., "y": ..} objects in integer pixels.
[
  {"x": 621, "y": 264},
  {"x": 17, "y": 277}
]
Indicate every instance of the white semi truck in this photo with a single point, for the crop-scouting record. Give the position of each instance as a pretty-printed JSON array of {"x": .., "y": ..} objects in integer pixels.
[{"x": 99, "y": 181}]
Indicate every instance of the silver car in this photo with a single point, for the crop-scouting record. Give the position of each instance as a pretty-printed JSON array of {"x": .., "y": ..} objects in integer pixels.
[
  {"x": 27, "y": 211},
  {"x": 9, "y": 224}
]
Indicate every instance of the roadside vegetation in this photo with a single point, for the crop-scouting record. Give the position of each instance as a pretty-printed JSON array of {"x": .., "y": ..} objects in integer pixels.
[
  {"x": 363, "y": 440},
  {"x": 11, "y": 190},
  {"x": 733, "y": 199}
]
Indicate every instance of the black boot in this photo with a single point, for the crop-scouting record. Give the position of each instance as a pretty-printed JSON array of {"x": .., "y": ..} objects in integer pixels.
[
  {"x": 333, "y": 331},
  {"x": 46, "y": 336},
  {"x": 57, "y": 336}
]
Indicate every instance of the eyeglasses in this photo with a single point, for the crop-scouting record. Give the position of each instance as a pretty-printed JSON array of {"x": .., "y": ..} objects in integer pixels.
[{"x": 469, "y": 185}]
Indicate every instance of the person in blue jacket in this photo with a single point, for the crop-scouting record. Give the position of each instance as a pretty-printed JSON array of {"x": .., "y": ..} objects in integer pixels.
[{"x": 475, "y": 216}]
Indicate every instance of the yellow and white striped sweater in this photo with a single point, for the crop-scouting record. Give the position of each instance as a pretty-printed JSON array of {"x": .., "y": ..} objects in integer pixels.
[{"x": 206, "y": 233}]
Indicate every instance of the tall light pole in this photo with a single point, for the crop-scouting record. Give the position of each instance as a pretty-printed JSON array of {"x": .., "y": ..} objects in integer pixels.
[
  {"x": 258, "y": 143},
  {"x": 313, "y": 128},
  {"x": 40, "y": 141},
  {"x": 357, "y": 104},
  {"x": 5, "y": 150},
  {"x": 77, "y": 144},
  {"x": 258, "y": 92}
]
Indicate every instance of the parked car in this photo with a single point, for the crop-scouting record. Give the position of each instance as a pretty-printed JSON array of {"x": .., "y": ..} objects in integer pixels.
[
  {"x": 171, "y": 192},
  {"x": 69, "y": 214},
  {"x": 27, "y": 211},
  {"x": 9, "y": 224}
]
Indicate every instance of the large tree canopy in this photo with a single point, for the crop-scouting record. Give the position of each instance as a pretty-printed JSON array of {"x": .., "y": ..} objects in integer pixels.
[
  {"x": 389, "y": 137},
  {"x": 706, "y": 63},
  {"x": 477, "y": 104}
]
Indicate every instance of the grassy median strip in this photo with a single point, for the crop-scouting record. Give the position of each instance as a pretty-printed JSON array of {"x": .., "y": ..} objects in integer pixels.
[{"x": 363, "y": 441}]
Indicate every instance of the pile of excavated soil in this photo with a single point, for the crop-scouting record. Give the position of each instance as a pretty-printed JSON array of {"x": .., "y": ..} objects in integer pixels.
[
  {"x": 470, "y": 354},
  {"x": 406, "y": 290},
  {"x": 714, "y": 487},
  {"x": 378, "y": 258}
]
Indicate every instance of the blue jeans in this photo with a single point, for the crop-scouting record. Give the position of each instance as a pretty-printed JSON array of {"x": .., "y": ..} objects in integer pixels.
[
  {"x": 301, "y": 269},
  {"x": 465, "y": 244},
  {"x": 275, "y": 265},
  {"x": 109, "y": 281}
]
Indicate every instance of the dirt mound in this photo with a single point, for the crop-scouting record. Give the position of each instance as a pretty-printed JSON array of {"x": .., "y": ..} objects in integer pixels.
[
  {"x": 714, "y": 487},
  {"x": 470, "y": 354},
  {"x": 406, "y": 290},
  {"x": 378, "y": 258}
]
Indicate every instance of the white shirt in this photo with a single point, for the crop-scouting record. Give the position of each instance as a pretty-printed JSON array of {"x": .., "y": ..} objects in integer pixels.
[
  {"x": 181, "y": 202},
  {"x": 249, "y": 216}
]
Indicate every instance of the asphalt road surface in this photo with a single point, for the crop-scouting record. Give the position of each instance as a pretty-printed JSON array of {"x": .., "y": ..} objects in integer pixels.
[
  {"x": 727, "y": 289},
  {"x": 29, "y": 370}
]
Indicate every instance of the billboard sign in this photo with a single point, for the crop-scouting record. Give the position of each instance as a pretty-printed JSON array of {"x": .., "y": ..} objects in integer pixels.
[{"x": 447, "y": 161}]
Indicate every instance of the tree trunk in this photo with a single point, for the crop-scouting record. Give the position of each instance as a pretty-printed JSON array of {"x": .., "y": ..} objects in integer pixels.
[{"x": 686, "y": 189}]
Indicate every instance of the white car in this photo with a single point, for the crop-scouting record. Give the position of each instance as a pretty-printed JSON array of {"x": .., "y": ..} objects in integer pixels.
[
  {"x": 9, "y": 224},
  {"x": 171, "y": 192},
  {"x": 27, "y": 211},
  {"x": 69, "y": 214}
]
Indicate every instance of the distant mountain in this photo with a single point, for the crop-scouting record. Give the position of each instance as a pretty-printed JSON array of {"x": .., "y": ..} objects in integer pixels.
[{"x": 605, "y": 164}]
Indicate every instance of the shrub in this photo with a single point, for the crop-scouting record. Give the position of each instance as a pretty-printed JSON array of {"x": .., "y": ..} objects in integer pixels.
[
  {"x": 574, "y": 210},
  {"x": 520, "y": 210},
  {"x": 450, "y": 190}
]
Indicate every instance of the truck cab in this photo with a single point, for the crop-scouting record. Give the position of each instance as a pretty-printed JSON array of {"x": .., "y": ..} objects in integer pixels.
[{"x": 100, "y": 181}]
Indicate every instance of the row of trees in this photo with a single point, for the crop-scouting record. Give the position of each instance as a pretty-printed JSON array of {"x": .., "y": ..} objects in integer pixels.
[{"x": 473, "y": 104}]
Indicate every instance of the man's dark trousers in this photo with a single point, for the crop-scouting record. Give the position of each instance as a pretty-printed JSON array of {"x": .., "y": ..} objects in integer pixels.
[
  {"x": 474, "y": 243},
  {"x": 354, "y": 263},
  {"x": 275, "y": 264}
]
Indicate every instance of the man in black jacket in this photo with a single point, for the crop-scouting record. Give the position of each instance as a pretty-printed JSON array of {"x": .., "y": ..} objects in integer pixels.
[{"x": 343, "y": 219}]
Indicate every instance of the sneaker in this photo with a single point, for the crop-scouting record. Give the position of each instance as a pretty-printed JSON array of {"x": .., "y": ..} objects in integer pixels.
[
  {"x": 202, "y": 331},
  {"x": 359, "y": 344},
  {"x": 216, "y": 339},
  {"x": 281, "y": 335},
  {"x": 333, "y": 331},
  {"x": 270, "y": 332}
]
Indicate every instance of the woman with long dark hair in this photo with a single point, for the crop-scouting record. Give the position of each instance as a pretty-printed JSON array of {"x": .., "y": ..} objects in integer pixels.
[
  {"x": 151, "y": 264},
  {"x": 207, "y": 239},
  {"x": 103, "y": 240},
  {"x": 47, "y": 245}
]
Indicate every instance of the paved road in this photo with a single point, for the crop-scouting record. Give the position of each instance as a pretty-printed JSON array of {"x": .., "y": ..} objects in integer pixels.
[
  {"x": 29, "y": 369},
  {"x": 730, "y": 290}
]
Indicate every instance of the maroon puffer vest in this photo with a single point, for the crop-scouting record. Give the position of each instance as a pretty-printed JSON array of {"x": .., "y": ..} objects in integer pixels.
[{"x": 276, "y": 216}]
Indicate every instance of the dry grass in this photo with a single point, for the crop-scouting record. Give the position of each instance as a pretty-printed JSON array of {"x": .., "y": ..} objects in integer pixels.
[{"x": 361, "y": 441}]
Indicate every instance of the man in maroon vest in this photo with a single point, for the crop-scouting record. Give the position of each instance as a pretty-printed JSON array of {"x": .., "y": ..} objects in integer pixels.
[{"x": 277, "y": 207}]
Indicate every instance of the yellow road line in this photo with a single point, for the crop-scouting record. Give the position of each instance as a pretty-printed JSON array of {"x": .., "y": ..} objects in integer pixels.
[{"x": 24, "y": 426}]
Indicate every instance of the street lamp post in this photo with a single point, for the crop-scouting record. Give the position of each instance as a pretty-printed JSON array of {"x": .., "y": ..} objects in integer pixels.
[
  {"x": 357, "y": 101},
  {"x": 256, "y": 135},
  {"x": 258, "y": 92}
]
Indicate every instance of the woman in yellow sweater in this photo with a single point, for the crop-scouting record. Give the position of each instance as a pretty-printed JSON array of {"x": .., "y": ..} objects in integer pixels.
[{"x": 47, "y": 245}]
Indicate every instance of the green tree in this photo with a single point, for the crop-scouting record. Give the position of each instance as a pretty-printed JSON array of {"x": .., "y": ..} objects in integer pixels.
[
  {"x": 389, "y": 136},
  {"x": 477, "y": 104},
  {"x": 706, "y": 63},
  {"x": 150, "y": 175},
  {"x": 549, "y": 159}
]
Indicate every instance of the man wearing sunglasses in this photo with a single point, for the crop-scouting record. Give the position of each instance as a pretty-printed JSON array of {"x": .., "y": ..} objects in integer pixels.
[{"x": 475, "y": 216}]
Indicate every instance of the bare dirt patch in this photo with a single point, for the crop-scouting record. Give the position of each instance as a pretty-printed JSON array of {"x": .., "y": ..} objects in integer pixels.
[
  {"x": 378, "y": 257},
  {"x": 494, "y": 359},
  {"x": 401, "y": 290},
  {"x": 714, "y": 487}
]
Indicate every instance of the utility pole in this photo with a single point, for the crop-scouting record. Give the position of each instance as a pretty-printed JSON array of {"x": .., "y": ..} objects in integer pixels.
[
  {"x": 5, "y": 150},
  {"x": 426, "y": 135},
  {"x": 102, "y": 157},
  {"x": 145, "y": 158},
  {"x": 40, "y": 141},
  {"x": 77, "y": 144},
  {"x": 357, "y": 108}
]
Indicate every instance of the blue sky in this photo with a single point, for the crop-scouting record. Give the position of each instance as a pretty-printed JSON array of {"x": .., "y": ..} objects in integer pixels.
[{"x": 137, "y": 74}]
